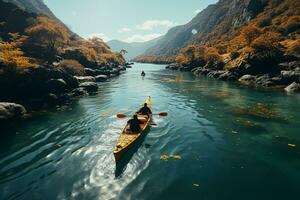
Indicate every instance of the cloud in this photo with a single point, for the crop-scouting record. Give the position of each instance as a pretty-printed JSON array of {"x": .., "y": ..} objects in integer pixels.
[
  {"x": 150, "y": 24},
  {"x": 125, "y": 29},
  {"x": 104, "y": 37},
  {"x": 197, "y": 11},
  {"x": 142, "y": 38}
]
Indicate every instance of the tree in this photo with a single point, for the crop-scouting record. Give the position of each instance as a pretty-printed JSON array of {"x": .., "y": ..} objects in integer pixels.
[
  {"x": 250, "y": 33},
  {"x": 123, "y": 52},
  {"x": 48, "y": 34}
]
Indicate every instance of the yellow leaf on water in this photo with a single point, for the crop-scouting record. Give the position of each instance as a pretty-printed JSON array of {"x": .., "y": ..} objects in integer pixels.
[
  {"x": 164, "y": 157},
  {"x": 292, "y": 145},
  {"x": 177, "y": 157}
]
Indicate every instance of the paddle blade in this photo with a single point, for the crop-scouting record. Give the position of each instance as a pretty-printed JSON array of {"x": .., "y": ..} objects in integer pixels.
[
  {"x": 121, "y": 116},
  {"x": 163, "y": 114}
]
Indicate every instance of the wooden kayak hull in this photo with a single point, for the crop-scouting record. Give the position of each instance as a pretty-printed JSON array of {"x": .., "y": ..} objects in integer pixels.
[{"x": 127, "y": 139}]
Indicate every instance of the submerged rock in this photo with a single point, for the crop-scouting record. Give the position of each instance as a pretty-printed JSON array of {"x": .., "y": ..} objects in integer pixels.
[
  {"x": 11, "y": 111},
  {"x": 294, "y": 87},
  {"x": 89, "y": 86}
]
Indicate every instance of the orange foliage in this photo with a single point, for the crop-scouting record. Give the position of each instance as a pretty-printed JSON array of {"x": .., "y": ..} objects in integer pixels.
[
  {"x": 12, "y": 57},
  {"x": 72, "y": 67}
]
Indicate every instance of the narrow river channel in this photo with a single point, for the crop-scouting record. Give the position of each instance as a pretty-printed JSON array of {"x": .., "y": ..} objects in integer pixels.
[{"x": 234, "y": 143}]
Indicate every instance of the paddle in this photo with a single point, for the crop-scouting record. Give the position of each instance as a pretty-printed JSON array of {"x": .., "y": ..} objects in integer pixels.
[{"x": 163, "y": 114}]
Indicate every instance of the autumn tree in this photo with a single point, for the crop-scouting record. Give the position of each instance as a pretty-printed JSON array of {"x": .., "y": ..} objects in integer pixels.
[
  {"x": 48, "y": 34},
  {"x": 250, "y": 33}
]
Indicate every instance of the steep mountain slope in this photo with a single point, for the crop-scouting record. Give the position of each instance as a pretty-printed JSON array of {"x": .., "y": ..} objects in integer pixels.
[
  {"x": 134, "y": 49},
  {"x": 34, "y": 6},
  {"x": 228, "y": 14}
]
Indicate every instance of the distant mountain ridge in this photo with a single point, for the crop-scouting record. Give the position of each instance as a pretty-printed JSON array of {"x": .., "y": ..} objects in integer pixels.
[{"x": 134, "y": 49}]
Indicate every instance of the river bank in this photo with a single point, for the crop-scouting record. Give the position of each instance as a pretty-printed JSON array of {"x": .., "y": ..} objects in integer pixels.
[
  {"x": 287, "y": 79},
  {"x": 44, "y": 87}
]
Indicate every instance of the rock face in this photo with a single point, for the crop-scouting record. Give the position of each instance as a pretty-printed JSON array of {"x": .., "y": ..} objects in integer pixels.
[
  {"x": 229, "y": 14},
  {"x": 294, "y": 87},
  {"x": 11, "y": 111}
]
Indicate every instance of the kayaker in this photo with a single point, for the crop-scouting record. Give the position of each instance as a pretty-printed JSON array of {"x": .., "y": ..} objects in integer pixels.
[
  {"x": 145, "y": 110},
  {"x": 143, "y": 73},
  {"x": 134, "y": 124}
]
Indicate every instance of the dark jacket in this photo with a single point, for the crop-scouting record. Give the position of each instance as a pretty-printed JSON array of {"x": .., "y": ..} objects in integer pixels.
[
  {"x": 134, "y": 125},
  {"x": 145, "y": 111}
]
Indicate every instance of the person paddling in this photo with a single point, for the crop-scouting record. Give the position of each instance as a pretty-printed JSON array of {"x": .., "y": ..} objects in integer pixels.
[
  {"x": 134, "y": 124},
  {"x": 143, "y": 73},
  {"x": 145, "y": 110}
]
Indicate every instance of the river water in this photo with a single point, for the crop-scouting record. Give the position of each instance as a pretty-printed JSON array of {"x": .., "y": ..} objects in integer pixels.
[{"x": 234, "y": 143}]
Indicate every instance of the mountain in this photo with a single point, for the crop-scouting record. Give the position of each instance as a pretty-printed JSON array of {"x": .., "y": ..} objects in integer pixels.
[
  {"x": 33, "y": 6},
  {"x": 220, "y": 18},
  {"x": 134, "y": 49}
]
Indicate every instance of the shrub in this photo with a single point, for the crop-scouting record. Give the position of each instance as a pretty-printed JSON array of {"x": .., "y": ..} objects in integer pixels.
[
  {"x": 292, "y": 24},
  {"x": 250, "y": 33},
  {"x": 265, "y": 21},
  {"x": 72, "y": 67},
  {"x": 294, "y": 48},
  {"x": 12, "y": 57},
  {"x": 49, "y": 35}
]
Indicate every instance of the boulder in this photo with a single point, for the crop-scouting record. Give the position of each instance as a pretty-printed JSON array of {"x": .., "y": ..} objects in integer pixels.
[
  {"x": 228, "y": 76},
  {"x": 294, "y": 87},
  {"x": 289, "y": 77},
  {"x": 215, "y": 74},
  {"x": 82, "y": 79},
  {"x": 56, "y": 85},
  {"x": 89, "y": 86},
  {"x": 101, "y": 78},
  {"x": 51, "y": 99},
  {"x": 79, "y": 92},
  {"x": 11, "y": 111},
  {"x": 247, "y": 79},
  {"x": 90, "y": 72}
]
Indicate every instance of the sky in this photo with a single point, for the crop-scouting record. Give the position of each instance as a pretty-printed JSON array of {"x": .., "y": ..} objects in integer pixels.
[{"x": 126, "y": 20}]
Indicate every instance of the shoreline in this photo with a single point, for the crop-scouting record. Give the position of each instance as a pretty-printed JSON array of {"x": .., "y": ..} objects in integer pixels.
[
  {"x": 44, "y": 88},
  {"x": 286, "y": 80}
]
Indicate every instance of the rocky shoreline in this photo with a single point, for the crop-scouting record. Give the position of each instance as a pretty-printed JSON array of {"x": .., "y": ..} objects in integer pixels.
[
  {"x": 44, "y": 87},
  {"x": 287, "y": 79}
]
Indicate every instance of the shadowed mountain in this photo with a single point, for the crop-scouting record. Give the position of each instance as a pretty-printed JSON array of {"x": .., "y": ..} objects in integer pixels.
[
  {"x": 219, "y": 19},
  {"x": 34, "y": 6}
]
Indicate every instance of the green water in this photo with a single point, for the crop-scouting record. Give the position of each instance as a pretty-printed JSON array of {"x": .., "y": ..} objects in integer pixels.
[{"x": 233, "y": 142}]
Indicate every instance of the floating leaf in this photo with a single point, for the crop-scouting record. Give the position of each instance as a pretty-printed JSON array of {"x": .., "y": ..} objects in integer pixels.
[
  {"x": 292, "y": 145},
  {"x": 164, "y": 157},
  {"x": 177, "y": 157}
]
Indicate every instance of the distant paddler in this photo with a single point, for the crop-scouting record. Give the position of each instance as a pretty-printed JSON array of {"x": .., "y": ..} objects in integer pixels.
[{"x": 143, "y": 73}]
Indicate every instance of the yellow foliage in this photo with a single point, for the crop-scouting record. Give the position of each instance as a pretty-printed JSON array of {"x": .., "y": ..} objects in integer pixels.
[{"x": 13, "y": 57}]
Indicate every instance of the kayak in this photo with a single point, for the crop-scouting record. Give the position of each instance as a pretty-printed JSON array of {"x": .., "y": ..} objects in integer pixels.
[{"x": 127, "y": 138}]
